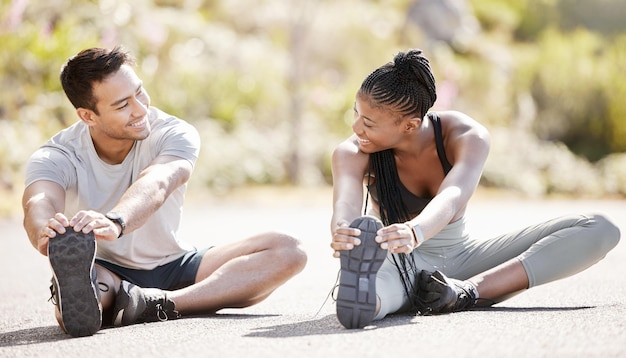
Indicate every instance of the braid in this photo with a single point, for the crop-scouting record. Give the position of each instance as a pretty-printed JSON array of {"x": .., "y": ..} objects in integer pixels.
[
  {"x": 408, "y": 86},
  {"x": 393, "y": 210},
  {"x": 384, "y": 166}
]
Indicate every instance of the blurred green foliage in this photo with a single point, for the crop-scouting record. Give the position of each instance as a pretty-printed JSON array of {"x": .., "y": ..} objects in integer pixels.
[
  {"x": 570, "y": 56},
  {"x": 270, "y": 84}
]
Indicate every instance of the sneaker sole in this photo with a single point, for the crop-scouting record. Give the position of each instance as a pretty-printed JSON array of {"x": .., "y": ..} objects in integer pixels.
[
  {"x": 356, "y": 297},
  {"x": 72, "y": 257}
]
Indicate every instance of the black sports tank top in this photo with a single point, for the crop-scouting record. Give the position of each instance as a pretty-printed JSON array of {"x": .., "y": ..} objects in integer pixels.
[{"x": 414, "y": 203}]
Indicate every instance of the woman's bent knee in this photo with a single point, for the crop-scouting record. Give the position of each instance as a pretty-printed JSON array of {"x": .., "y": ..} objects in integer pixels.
[{"x": 607, "y": 234}]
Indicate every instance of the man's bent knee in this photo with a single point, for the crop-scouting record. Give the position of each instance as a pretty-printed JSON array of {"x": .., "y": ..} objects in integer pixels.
[{"x": 290, "y": 254}]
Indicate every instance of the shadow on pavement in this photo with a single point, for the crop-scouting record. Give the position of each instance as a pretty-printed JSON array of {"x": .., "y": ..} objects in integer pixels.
[
  {"x": 32, "y": 336},
  {"x": 532, "y": 309},
  {"x": 328, "y": 325}
]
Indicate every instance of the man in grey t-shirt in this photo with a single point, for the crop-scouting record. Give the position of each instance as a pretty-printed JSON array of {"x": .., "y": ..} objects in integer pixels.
[{"x": 103, "y": 200}]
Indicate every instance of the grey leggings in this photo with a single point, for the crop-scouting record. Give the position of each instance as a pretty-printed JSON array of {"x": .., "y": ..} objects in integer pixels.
[{"x": 548, "y": 251}]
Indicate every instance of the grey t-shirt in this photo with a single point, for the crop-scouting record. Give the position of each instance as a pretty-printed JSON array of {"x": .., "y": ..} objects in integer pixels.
[{"x": 70, "y": 160}]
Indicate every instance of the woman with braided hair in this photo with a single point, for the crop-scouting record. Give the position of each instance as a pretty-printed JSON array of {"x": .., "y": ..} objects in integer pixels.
[{"x": 405, "y": 247}]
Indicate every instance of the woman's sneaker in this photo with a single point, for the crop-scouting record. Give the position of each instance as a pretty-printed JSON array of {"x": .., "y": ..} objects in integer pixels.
[
  {"x": 134, "y": 304},
  {"x": 74, "y": 288},
  {"x": 356, "y": 298},
  {"x": 436, "y": 293}
]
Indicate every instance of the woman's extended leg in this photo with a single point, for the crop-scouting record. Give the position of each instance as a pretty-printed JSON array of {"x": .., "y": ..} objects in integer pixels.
[{"x": 562, "y": 247}]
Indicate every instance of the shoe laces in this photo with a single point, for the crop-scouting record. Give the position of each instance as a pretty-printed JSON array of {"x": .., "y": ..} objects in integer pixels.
[
  {"x": 332, "y": 294},
  {"x": 103, "y": 287},
  {"x": 160, "y": 313},
  {"x": 161, "y": 308},
  {"x": 53, "y": 291},
  {"x": 53, "y": 294}
]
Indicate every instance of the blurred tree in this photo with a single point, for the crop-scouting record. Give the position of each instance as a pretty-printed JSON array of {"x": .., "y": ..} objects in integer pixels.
[{"x": 303, "y": 13}]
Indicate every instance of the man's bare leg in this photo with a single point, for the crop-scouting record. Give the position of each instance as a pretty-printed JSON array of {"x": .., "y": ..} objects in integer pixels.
[
  {"x": 233, "y": 275},
  {"x": 241, "y": 274}
]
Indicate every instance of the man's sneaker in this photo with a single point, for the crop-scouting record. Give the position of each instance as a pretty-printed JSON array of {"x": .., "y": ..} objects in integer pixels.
[
  {"x": 74, "y": 287},
  {"x": 356, "y": 298},
  {"x": 134, "y": 304},
  {"x": 436, "y": 293}
]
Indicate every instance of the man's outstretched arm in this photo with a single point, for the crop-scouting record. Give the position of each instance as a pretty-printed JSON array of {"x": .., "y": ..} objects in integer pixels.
[{"x": 42, "y": 201}]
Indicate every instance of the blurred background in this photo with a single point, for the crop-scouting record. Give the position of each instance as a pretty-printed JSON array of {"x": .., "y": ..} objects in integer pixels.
[{"x": 270, "y": 84}]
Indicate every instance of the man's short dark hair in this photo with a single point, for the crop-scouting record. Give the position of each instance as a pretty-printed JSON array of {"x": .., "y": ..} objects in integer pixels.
[{"x": 88, "y": 67}]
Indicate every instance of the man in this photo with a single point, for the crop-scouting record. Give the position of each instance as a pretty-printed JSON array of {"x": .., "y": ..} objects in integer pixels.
[{"x": 103, "y": 200}]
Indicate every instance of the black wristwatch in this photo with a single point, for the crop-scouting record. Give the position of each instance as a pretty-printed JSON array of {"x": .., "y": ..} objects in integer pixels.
[{"x": 116, "y": 218}]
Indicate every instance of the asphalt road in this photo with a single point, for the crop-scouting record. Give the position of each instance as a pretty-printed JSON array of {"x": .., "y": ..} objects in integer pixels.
[{"x": 581, "y": 316}]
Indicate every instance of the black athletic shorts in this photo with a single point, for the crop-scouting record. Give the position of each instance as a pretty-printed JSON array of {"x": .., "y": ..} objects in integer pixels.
[{"x": 171, "y": 276}]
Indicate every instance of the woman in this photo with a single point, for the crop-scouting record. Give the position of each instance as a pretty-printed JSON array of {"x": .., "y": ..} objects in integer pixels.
[{"x": 420, "y": 169}]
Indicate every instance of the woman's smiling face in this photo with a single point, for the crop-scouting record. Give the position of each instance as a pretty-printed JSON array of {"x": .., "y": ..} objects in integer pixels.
[{"x": 377, "y": 127}]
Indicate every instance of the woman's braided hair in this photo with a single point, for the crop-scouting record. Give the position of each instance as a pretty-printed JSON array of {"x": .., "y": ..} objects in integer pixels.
[{"x": 407, "y": 87}]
